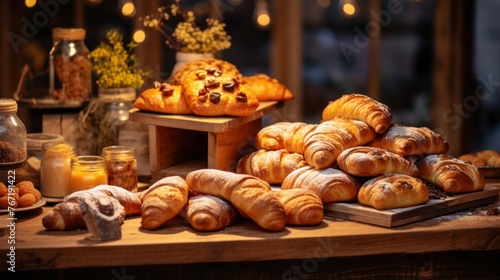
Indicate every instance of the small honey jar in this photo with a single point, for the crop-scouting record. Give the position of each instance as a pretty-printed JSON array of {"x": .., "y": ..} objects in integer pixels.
[
  {"x": 87, "y": 172},
  {"x": 121, "y": 165}
]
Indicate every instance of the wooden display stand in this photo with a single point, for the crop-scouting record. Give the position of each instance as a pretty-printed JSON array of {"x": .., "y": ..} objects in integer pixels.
[{"x": 179, "y": 144}]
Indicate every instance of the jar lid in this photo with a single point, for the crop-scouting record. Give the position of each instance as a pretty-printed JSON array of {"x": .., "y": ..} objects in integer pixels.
[
  {"x": 68, "y": 33},
  {"x": 8, "y": 105},
  {"x": 34, "y": 141}
]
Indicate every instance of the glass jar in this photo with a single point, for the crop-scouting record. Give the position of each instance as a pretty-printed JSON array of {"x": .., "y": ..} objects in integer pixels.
[
  {"x": 55, "y": 169},
  {"x": 87, "y": 172},
  {"x": 69, "y": 66},
  {"x": 34, "y": 144},
  {"x": 121, "y": 165},
  {"x": 12, "y": 134},
  {"x": 113, "y": 112}
]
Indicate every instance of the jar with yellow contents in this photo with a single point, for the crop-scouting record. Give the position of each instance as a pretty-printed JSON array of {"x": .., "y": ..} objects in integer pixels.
[{"x": 87, "y": 172}]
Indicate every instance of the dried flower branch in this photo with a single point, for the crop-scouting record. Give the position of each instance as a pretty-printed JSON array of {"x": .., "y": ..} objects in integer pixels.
[{"x": 187, "y": 36}]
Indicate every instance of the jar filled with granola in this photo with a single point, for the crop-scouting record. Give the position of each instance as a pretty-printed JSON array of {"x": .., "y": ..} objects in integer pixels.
[
  {"x": 121, "y": 165},
  {"x": 12, "y": 134},
  {"x": 69, "y": 66},
  {"x": 87, "y": 172}
]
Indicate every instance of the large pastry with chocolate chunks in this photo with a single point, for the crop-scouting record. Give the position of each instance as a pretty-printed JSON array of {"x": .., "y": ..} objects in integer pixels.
[
  {"x": 204, "y": 64},
  {"x": 213, "y": 93}
]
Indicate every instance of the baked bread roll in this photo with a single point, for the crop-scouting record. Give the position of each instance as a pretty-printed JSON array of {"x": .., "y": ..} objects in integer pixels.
[
  {"x": 360, "y": 107},
  {"x": 284, "y": 135},
  {"x": 213, "y": 93},
  {"x": 205, "y": 64},
  {"x": 450, "y": 174},
  {"x": 162, "y": 201},
  {"x": 303, "y": 207},
  {"x": 331, "y": 185},
  {"x": 270, "y": 166},
  {"x": 163, "y": 98},
  {"x": 391, "y": 191},
  {"x": 252, "y": 196},
  {"x": 408, "y": 141},
  {"x": 67, "y": 215},
  {"x": 266, "y": 88},
  {"x": 325, "y": 143},
  {"x": 371, "y": 162},
  {"x": 208, "y": 213}
]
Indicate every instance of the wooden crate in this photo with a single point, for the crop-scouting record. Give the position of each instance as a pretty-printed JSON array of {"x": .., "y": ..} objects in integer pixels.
[{"x": 179, "y": 144}]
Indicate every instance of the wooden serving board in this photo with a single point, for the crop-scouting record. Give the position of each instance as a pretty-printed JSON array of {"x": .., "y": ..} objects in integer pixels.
[{"x": 401, "y": 216}]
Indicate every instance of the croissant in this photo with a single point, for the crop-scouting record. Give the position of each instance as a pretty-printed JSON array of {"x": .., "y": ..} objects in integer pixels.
[
  {"x": 163, "y": 98},
  {"x": 68, "y": 215},
  {"x": 303, "y": 207},
  {"x": 208, "y": 213},
  {"x": 324, "y": 144},
  {"x": 270, "y": 166},
  {"x": 450, "y": 174},
  {"x": 284, "y": 135},
  {"x": 266, "y": 88},
  {"x": 330, "y": 184},
  {"x": 408, "y": 141},
  {"x": 252, "y": 196},
  {"x": 390, "y": 191},
  {"x": 370, "y": 162},
  {"x": 163, "y": 201},
  {"x": 360, "y": 107}
]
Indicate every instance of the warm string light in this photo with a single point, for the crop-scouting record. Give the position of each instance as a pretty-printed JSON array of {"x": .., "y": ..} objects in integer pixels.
[
  {"x": 30, "y": 3},
  {"x": 261, "y": 13},
  {"x": 348, "y": 6},
  {"x": 127, "y": 8}
]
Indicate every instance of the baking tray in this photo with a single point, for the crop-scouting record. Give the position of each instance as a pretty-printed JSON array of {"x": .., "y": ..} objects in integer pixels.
[
  {"x": 401, "y": 216},
  {"x": 489, "y": 171}
]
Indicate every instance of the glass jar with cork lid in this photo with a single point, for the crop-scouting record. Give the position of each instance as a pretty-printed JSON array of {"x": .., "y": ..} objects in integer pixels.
[{"x": 69, "y": 66}]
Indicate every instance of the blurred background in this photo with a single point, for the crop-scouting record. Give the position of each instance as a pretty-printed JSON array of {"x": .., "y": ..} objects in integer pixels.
[{"x": 435, "y": 63}]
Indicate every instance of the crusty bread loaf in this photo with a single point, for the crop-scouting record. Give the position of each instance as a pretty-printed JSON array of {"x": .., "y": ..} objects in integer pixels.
[
  {"x": 303, "y": 207},
  {"x": 360, "y": 107},
  {"x": 270, "y": 166},
  {"x": 252, "y": 196},
  {"x": 266, "y": 88},
  {"x": 390, "y": 191},
  {"x": 371, "y": 162},
  {"x": 409, "y": 140},
  {"x": 163, "y": 98},
  {"x": 331, "y": 185},
  {"x": 162, "y": 201},
  {"x": 450, "y": 174}
]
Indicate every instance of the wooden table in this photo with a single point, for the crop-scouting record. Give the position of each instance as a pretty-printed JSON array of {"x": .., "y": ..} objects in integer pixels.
[{"x": 459, "y": 245}]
